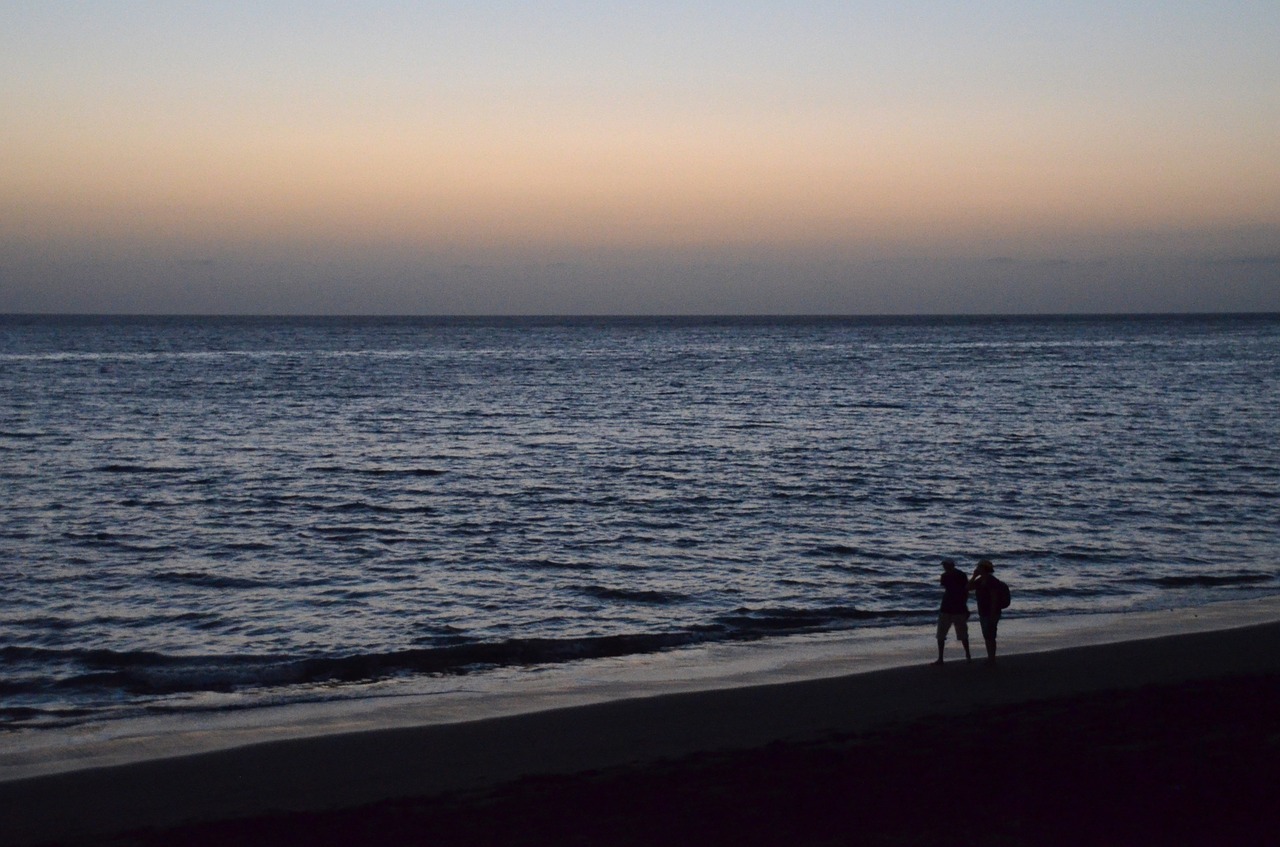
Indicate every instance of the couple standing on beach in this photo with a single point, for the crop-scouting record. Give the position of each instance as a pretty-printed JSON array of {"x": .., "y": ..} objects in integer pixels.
[{"x": 992, "y": 597}]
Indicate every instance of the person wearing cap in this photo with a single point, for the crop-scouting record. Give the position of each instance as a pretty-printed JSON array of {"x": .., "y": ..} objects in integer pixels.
[
  {"x": 984, "y": 586},
  {"x": 954, "y": 611}
]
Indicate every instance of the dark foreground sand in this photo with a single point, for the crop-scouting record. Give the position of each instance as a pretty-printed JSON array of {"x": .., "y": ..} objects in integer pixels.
[{"x": 1166, "y": 741}]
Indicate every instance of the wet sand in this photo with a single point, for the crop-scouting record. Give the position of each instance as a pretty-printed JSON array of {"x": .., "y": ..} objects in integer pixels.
[
  {"x": 1182, "y": 764},
  {"x": 1169, "y": 736}
]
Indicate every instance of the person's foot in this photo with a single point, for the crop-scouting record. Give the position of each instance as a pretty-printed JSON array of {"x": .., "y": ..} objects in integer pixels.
[{"x": 936, "y": 662}]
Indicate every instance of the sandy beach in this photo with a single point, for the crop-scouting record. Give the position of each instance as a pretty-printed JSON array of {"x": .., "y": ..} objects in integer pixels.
[{"x": 1115, "y": 740}]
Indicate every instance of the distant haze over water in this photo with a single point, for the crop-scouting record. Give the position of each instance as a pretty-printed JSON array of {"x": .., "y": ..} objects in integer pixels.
[{"x": 228, "y": 505}]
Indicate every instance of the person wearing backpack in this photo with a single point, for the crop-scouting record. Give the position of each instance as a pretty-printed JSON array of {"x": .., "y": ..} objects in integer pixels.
[{"x": 993, "y": 598}]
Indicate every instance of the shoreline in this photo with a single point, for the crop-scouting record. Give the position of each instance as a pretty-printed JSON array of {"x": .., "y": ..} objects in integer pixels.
[
  {"x": 351, "y": 769},
  {"x": 398, "y": 704}
]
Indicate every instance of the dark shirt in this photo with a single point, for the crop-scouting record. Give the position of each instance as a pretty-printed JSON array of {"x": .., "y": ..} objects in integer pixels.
[
  {"x": 985, "y": 592},
  {"x": 955, "y": 596}
]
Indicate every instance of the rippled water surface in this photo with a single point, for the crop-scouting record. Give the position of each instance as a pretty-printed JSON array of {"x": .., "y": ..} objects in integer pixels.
[{"x": 226, "y": 504}]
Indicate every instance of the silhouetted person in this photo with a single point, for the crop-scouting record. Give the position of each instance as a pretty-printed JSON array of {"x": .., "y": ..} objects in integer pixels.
[
  {"x": 986, "y": 589},
  {"x": 954, "y": 610}
]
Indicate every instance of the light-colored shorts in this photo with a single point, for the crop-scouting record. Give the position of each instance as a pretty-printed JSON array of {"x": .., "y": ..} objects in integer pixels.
[{"x": 946, "y": 621}]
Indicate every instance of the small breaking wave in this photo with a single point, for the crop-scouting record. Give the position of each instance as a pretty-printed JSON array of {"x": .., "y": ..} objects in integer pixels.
[
  {"x": 835, "y": 550},
  {"x": 628, "y": 595},
  {"x": 200, "y": 579},
  {"x": 144, "y": 469},
  {"x": 97, "y": 673},
  {"x": 380, "y": 472},
  {"x": 557, "y": 564},
  {"x": 144, "y": 673},
  {"x": 752, "y": 623},
  {"x": 381, "y": 509},
  {"x": 1210, "y": 580}
]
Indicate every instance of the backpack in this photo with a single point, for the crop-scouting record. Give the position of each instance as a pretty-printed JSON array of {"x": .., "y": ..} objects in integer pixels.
[{"x": 1002, "y": 597}]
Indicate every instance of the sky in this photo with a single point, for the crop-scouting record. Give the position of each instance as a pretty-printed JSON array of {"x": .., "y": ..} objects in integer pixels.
[{"x": 536, "y": 157}]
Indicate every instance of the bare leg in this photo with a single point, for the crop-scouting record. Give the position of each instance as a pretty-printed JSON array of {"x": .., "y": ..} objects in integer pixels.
[{"x": 989, "y": 636}]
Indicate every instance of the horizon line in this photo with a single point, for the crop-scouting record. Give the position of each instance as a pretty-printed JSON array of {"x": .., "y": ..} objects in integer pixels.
[{"x": 638, "y": 315}]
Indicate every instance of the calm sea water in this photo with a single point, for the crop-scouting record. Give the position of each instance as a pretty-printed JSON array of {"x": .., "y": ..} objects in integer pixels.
[{"x": 204, "y": 504}]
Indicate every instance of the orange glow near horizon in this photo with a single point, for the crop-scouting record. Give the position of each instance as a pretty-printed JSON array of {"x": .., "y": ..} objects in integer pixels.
[
  {"x": 621, "y": 184},
  {"x": 578, "y": 132}
]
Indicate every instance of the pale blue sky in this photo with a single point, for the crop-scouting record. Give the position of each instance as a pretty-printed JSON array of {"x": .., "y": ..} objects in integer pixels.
[{"x": 650, "y": 157}]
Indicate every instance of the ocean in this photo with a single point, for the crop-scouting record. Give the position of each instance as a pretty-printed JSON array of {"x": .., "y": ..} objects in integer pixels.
[{"x": 205, "y": 512}]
